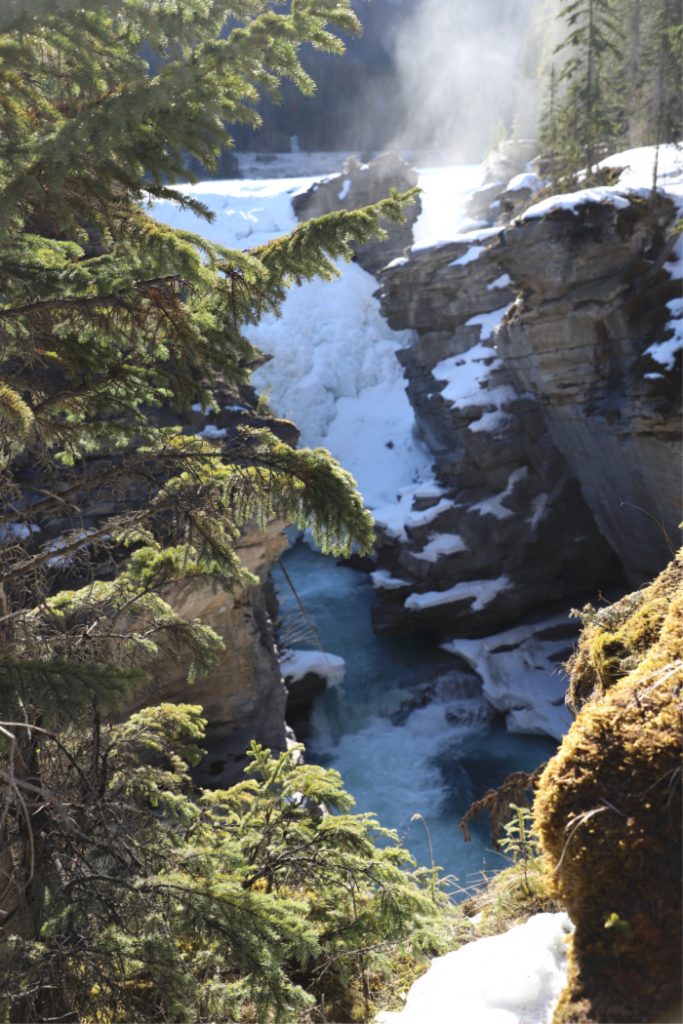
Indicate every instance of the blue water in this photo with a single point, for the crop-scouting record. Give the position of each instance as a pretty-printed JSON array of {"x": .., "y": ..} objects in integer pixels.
[{"x": 439, "y": 758}]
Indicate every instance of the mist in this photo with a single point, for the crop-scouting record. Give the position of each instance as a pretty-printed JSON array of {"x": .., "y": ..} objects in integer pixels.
[{"x": 468, "y": 72}]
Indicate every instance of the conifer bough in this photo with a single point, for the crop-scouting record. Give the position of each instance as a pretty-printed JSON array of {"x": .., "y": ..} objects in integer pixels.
[{"x": 124, "y": 894}]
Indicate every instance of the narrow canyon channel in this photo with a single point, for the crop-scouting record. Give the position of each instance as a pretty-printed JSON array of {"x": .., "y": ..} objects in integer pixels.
[{"x": 407, "y": 726}]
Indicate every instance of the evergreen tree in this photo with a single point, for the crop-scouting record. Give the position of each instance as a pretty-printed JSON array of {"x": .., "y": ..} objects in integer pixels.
[
  {"x": 592, "y": 109},
  {"x": 620, "y": 86},
  {"x": 663, "y": 72},
  {"x": 124, "y": 894}
]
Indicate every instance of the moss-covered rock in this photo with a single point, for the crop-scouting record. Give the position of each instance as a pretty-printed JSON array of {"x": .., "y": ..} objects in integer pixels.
[{"x": 608, "y": 810}]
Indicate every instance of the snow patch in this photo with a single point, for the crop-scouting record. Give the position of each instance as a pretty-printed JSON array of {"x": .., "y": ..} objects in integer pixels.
[
  {"x": 539, "y": 506},
  {"x": 10, "y": 533},
  {"x": 297, "y": 664},
  {"x": 664, "y": 352},
  {"x": 513, "y": 978},
  {"x": 472, "y": 254},
  {"x": 466, "y": 376},
  {"x": 504, "y": 281},
  {"x": 488, "y": 322},
  {"x": 459, "y": 238},
  {"x": 494, "y": 506},
  {"x": 383, "y": 580},
  {"x": 213, "y": 432},
  {"x": 440, "y": 545},
  {"x": 481, "y": 592},
  {"x": 530, "y": 181},
  {"x": 428, "y": 515}
]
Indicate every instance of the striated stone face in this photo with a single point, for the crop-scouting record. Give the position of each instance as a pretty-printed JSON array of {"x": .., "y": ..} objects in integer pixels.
[
  {"x": 508, "y": 529},
  {"x": 243, "y": 696},
  {"x": 593, "y": 298},
  {"x": 556, "y": 434},
  {"x": 359, "y": 185}
]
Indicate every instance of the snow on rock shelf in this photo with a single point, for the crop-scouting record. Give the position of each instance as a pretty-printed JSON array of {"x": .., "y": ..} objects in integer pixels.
[
  {"x": 635, "y": 181},
  {"x": 513, "y": 978},
  {"x": 521, "y": 673},
  {"x": 478, "y": 592},
  {"x": 297, "y": 664}
]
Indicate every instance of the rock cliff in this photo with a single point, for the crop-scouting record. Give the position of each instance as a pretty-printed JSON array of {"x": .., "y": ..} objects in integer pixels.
[
  {"x": 553, "y": 417},
  {"x": 243, "y": 696}
]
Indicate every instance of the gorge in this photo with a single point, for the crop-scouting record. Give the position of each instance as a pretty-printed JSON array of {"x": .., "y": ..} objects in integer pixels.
[
  {"x": 527, "y": 474},
  {"x": 340, "y": 507}
]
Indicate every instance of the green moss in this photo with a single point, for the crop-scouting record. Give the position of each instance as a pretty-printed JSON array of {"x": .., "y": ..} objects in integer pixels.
[
  {"x": 616, "y": 639},
  {"x": 608, "y": 810}
]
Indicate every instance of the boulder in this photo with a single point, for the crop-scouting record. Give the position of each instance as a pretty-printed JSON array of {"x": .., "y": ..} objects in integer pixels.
[{"x": 360, "y": 184}]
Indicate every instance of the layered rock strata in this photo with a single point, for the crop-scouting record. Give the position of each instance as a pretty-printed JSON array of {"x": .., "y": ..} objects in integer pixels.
[
  {"x": 555, "y": 429},
  {"x": 505, "y": 528}
]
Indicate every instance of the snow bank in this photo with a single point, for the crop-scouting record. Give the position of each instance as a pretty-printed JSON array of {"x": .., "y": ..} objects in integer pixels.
[
  {"x": 520, "y": 673},
  {"x": 572, "y": 200},
  {"x": 513, "y": 978},
  {"x": 297, "y": 664},
  {"x": 636, "y": 180}
]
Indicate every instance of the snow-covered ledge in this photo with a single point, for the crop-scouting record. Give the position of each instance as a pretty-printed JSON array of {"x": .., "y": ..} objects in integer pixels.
[
  {"x": 521, "y": 674},
  {"x": 513, "y": 978}
]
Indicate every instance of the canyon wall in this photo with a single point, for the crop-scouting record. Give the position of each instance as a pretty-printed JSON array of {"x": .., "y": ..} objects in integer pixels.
[{"x": 546, "y": 383}]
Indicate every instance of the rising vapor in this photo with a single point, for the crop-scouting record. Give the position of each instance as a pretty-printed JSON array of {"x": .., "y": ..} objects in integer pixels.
[{"x": 465, "y": 67}]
